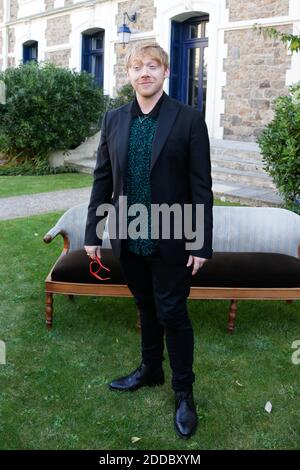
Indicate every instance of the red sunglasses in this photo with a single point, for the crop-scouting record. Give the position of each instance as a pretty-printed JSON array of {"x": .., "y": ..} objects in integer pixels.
[{"x": 100, "y": 266}]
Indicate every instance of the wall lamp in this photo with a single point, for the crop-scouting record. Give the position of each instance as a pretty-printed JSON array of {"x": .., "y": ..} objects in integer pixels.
[{"x": 124, "y": 30}]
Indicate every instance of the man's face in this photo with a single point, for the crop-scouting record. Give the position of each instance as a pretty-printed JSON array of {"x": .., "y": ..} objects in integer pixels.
[{"x": 147, "y": 76}]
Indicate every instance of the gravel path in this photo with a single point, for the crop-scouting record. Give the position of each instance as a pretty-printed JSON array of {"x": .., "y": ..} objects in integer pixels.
[{"x": 41, "y": 203}]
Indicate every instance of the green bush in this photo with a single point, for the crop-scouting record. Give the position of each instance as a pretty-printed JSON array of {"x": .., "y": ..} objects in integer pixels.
[
  {"x": 124, "y": 96},
  {"x": 33, "y": 168},
  {"x": 280, "y": 147},
  {"x": 126, "y": 93},
  {"x": 47, "y": 108}
]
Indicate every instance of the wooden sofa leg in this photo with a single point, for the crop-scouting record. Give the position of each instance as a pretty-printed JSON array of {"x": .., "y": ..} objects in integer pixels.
[
  {"x": 232, "y": 315},
  {"x": 71, "y": 297},
  {"x": 289, "y": 301},
  {"x": 49, "y": 309}
]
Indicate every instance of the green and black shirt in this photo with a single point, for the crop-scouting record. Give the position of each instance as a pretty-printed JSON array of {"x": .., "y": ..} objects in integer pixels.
[{"x": 137, "y": 187}]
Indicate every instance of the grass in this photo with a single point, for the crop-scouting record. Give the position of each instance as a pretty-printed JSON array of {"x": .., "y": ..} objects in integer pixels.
[
  {"x": 18, "y": 185},
  {"x": 54, "y": 392}
]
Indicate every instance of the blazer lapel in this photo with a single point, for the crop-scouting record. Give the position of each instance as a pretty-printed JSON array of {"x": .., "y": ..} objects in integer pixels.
[
  {"x": 123, "y": 126},
  {"x": 166, "y": 118}
]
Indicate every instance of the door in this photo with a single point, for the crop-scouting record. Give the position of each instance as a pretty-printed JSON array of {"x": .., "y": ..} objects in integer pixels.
[
  {"x": 189, "y": 59},
  {"x": 194, "y": 81}
]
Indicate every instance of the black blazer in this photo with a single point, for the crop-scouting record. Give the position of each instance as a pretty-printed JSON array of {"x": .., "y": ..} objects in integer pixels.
[{"x": 180, "y": 171}]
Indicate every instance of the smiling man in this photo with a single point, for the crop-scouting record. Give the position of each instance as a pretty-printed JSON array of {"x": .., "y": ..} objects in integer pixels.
[{"x": 155, "y": 150}]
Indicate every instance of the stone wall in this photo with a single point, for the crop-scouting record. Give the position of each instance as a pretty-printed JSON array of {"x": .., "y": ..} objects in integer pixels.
[
  {"x": 57, "y": 33},
  {"x": 60, "y": 58},
  {"x": 49, "y": 5},
  {"x": 255, "y": 74},
  {"x": 11, "y": 62},
  {"x": 251, "y": 9},
  {"x": 58, "y": 30},
  {"x": 11, "y": 40},
  {"x": 13, "y": 9},
  {"x": 146, "y": 13}
]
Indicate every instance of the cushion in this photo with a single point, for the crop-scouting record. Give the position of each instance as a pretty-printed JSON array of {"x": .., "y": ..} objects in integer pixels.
[
  {"x": 74, "y": 267},
  {"x": 223, "y": 270}
]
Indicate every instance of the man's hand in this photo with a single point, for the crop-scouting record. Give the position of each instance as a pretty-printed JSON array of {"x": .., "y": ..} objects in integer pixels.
[
  {"x": 92, "y": 251},
  {"x": 198, "y": 263}
]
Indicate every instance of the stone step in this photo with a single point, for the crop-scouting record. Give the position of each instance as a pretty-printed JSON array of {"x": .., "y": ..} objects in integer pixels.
[
  {"x": 243, "y": 150},
  {"x": 233, "y": 170},
  {"x": 85, "y": 165},
  {"x": 235, "y": 173},
  {"x": 235, "y": 153},
  {"x": 246, "y": 194},
  {"x": 87, "y": 149},
  {"x": 241, "y": 164},
  {"x": 258, "y": 179},
  {"x": 244, "y": 177},
  {"x": 80, "y": 155}
]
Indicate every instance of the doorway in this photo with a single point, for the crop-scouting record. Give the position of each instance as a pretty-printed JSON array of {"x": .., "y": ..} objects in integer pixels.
[{"x": 189, "y": 60}]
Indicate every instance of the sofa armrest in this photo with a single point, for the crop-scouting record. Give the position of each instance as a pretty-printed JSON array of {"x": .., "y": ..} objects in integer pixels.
[{"x": 53, "y": 232}]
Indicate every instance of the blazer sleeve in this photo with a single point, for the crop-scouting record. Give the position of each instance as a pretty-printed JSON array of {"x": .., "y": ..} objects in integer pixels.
[
  {"x": 102, "y": 188},
  {"x": 201, "y": 182}
]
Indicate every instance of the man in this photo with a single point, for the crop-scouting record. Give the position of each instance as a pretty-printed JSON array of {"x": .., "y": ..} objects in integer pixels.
[{"x": 155, "y": 150}]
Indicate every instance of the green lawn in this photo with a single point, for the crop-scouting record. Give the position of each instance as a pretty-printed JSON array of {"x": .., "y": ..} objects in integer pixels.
[
  {"x": 54, "y": 392},
  {"x": 17, "y": 185}
]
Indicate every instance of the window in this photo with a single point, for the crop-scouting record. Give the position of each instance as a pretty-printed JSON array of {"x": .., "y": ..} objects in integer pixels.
[
  {"x": 30, "y": 51},
  {"x": 93, "y": 54}
]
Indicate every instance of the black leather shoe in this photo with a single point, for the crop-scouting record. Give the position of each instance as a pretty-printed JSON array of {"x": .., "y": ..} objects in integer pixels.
[
  {"x": 143, "y": 375},
  {"x": 185, "y": 414}
]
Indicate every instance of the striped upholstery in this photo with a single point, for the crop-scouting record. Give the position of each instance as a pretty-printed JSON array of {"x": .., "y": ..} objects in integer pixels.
[
  {"x": 256, "y": 229},
  {"x": 72, "y": 223},
  {"x": 236, "y": 229}
]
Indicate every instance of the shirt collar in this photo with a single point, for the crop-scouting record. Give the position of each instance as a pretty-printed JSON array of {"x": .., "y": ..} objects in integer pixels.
[{"x": 136, "y": 110}]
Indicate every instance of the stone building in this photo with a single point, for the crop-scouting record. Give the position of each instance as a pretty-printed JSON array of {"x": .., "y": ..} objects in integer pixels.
[{"x": 219, "y": 63}]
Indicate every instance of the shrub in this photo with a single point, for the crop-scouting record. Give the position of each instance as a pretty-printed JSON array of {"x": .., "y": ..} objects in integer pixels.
[
  {"x": 124, "y": 95},
  {"x": 280, "y": 147},
  {"x": 34, "y": 168},
  {"x": 47, "y": 108}
]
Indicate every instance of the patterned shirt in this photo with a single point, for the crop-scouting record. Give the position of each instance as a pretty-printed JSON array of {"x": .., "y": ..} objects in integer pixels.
[{"x": 137, "y": 187}]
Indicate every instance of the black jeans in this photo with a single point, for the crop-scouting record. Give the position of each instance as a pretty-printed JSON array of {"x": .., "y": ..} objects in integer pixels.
[{"x": 160, "y": 291}]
